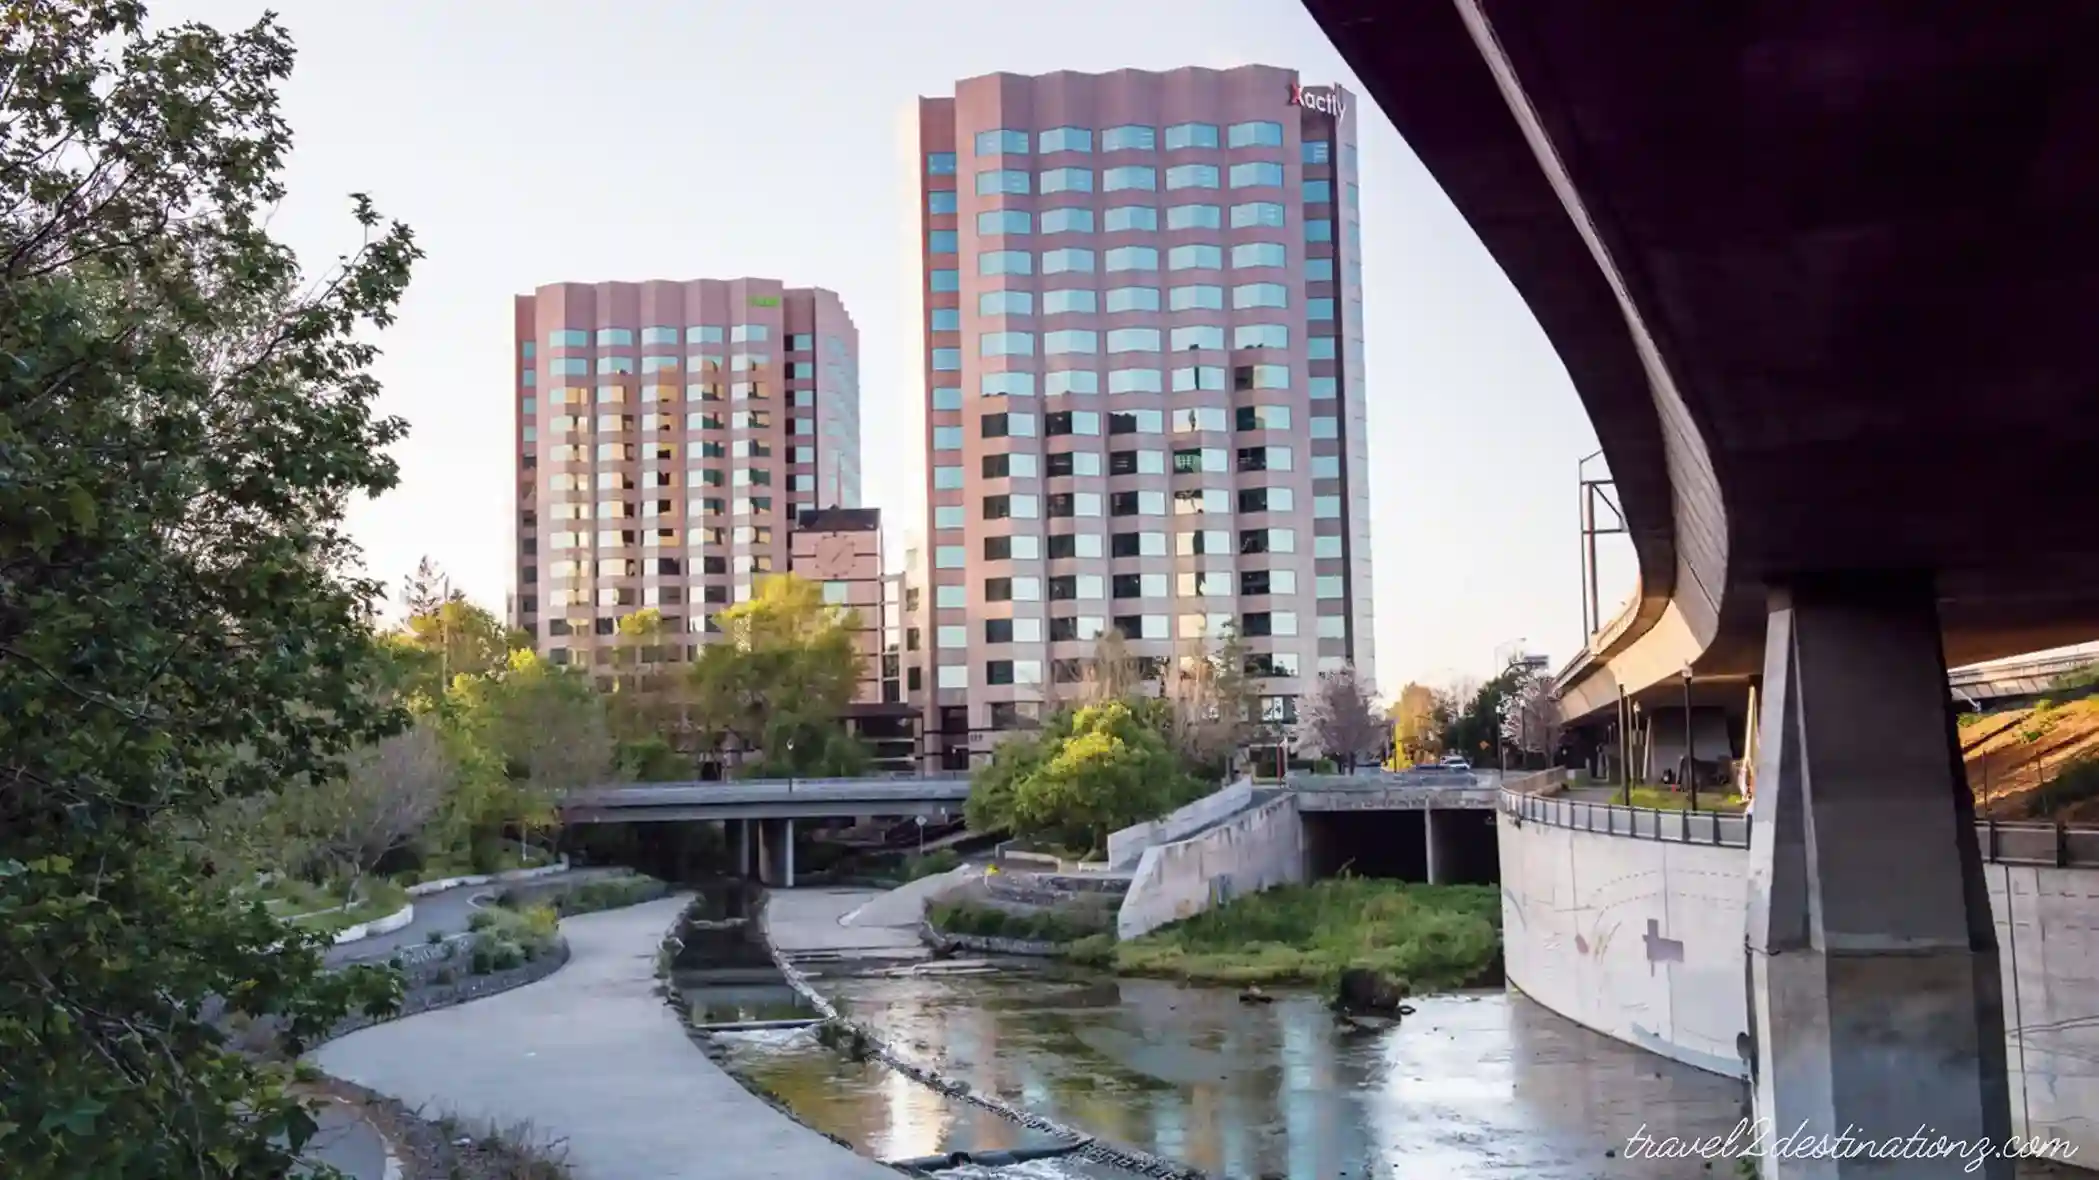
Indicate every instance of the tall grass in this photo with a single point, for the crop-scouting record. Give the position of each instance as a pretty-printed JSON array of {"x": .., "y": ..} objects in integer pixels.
[{"x": 1430, "y": 936}]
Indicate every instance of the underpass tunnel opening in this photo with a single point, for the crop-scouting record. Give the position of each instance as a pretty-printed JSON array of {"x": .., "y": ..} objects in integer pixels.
[
  {"x": 1467, "y": 847},
  {"x": 1390, "y": 845}
]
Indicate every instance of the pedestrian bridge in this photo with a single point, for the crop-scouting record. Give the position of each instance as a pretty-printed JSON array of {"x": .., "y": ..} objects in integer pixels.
[{"x": 805, "y": 798}]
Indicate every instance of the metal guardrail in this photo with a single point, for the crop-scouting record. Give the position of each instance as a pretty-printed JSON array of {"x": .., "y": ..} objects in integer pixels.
[
  {"x": 2008, "y": 842},
  {"x": 815, "y": 790}
]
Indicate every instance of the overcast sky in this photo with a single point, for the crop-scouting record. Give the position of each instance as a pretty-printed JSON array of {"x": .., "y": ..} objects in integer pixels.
[{"x": 538, "y": 141}]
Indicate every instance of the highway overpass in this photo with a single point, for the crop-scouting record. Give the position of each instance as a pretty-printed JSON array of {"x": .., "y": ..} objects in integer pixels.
[
  {"x": 1805, "y": 264},
  {"x": 808, "y": 798}
]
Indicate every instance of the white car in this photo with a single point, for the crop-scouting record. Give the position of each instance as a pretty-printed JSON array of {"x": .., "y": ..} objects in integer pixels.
[{"x": 1454, "y": 762}]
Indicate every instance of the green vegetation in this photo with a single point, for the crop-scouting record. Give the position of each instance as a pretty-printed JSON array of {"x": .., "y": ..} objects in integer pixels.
[
  {"x": 592, "y": 896},
  {"x": 970, "y": 917},
  {"x": 507, "y": 938},
  {"x": 1431, "y": 936},
  {"x": 1672, "y": 799},
  {"x": 2075, "y": 783},
  {"x": 770, "y": 696},
  {"x": 379, "y": 899},
  {"x": 940, "y": 860}
]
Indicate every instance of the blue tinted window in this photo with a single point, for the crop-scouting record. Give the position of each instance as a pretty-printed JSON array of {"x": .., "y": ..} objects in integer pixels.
[
  {"x": 940, "y": 163},
  {"x": 615, "y": 364},
  {"x": 1133, "y": 258},
  {"x": 704, "y": 334},
  {"x": 531, "y": 349},
  {"x": 1319, "y": 270},
  {"x": 947, "y": 319},
  {"x": 1319, "y": 309},
  {"x": 659, "y": 335},
  {"x": 940, "y": 241},
  {"x": 1257, "y": 174},
  {"x": 1005, "y": 262},
  {"x": 1196, "y": 257},
  {"x": 1067, "y": 180},
  {"x": 947, "y": 479},
  {"x": 1191, "y": 176},
  {"x": 615, "y": 337},
  {"x": 1073, "y": 381},
  {"x": 1067, "y": 221},
  {"x": 1003, "y": 221},
  {"x": 1135, "y": 381},
  {"x": 1006, "y": 344},
  {"x": 1316, "y": 151},
  {"x": 1002, "y": 143},
  {"x": 1319, "y": 192},
  {"x": 1322, "y": 387},
  {"x": 1067, "y": 301},
  {"x": 1194, "y": 217},
  {"x": 1260, "y": 336},
  {"x": 1191, "y": 135},
  {"x": 1127, "y": 217},
  {"x": 947, "y": 397},
  {"x": 1260, "y": 295},
  {"x": 1135, "y": 177},
  {"x": 1200, "y": 297},
  {"x": 1320, "y": 348},
  {"x": 947, "y": 438},
  {"x": 947, "y": 360},
  {"x": 1133, "y": 340},
  {"x": 531, "y": 377},
  {"x": 947, "y": 280},
  {"x": 1069, "y": 340},
  {"x": 1133, "y": 299},
  {"x": 1009, "y": 385},
  {"x": 940, "y": 200},
  {"x": 568, "y": 338},
  {"x": 742, "y": 333},
  {"x": 1130, "y": 137},
  {"x": 1005, "y": 303},
  {"x": 1001, "y": 180},
  {"x": 1259, "y": 254},
  {"x": 1319, "y": 230},
  {"x": 1256, "y": 213},
  {"x": 1197, "y": 336},
  {"x": 1255, "y": 135},
  {"x": 1068, "y": 259},
  {"x": 1064, "y": 139}
]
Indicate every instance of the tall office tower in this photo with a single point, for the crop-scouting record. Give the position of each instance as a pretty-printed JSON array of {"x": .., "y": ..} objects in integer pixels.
[
  {"x": 840, "y": 549},
  {"x": 1144, "y": 383},
  {"x": 668, "y": 433}
]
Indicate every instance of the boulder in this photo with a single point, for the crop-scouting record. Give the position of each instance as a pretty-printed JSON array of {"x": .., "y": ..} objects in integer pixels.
[{"x": 1364, "y": 990}]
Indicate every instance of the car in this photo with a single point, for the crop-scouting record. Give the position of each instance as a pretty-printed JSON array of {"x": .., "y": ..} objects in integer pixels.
[{"x": 1454, "y": 762}]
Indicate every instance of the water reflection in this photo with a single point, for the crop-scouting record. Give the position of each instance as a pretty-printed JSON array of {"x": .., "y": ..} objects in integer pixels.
[{"x": 1471, "y": 1088}]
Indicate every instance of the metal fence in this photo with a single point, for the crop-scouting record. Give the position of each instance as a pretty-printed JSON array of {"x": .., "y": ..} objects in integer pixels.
[{"x": 2001, "y": 842}]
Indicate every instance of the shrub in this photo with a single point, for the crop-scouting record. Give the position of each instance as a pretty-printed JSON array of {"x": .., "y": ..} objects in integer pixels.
[
  {"x": 940, "y": 860},
  {"x": 615, "y": 893},
  {"x": 968, "y": 917}
]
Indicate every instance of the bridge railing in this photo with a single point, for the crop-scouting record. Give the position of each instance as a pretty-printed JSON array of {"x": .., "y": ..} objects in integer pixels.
[{"x": 2009, "y": 842}]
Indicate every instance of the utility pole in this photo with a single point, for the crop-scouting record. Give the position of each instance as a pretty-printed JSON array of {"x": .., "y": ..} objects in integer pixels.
[{"x": 1690, "y": 763}]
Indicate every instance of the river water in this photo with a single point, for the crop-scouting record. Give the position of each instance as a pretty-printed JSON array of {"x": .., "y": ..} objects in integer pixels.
[{"x": 1471, "y": 1087}]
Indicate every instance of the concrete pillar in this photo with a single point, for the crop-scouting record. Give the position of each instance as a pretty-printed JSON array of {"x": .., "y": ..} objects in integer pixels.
[
  {"x": 742, "y": 843},
  {"x": 1431, "y": 833},
  {"x": 787, "y": 854},
  {"x": 1873, "y": 958}
]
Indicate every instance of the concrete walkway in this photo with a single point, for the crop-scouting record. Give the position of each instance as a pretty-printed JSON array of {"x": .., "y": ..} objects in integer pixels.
[
  {"x": 591, "y": 1055},
  {"x": 448, "y": 912}
]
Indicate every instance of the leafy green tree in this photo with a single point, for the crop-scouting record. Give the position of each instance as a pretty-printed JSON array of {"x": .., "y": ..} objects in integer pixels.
[
  {"x": 524, "y": 736},
  {"x": 1476, "y": 727},
  {"x": 1114, "y": 769},
  {"x": 783, "y": 670},
  {"x": 183, "y": 418},
  {"x": 994, "y": 783}
]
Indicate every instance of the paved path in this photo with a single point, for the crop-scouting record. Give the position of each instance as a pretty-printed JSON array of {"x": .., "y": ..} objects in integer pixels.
[
  {"x": 591, "y": 1055},
  {"x": 447, "y": 912},
  {"x": 347, "y": 1143}
]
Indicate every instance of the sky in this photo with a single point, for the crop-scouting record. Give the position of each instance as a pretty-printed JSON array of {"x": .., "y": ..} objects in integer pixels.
[{"x": 538, "y": 141}]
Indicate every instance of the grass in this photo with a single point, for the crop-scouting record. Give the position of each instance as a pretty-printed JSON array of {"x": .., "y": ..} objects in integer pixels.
[
  {"x": 969, "y": 917},
  {"x": 1672, "y": 799},
  {"x": 505, "y": 938},
  {"x": 440, "y": 868},
  {"x": 381, "y": 897},
  {"x": 940, "y": 860},
  {"x": 1430, "y": 936}
]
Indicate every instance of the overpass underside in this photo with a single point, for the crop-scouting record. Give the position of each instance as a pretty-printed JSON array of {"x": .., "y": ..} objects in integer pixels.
[{"x": 1813, "y": 269}]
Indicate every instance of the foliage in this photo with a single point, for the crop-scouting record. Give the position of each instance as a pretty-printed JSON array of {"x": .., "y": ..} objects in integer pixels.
[
  {"x": 1210, "y": 705},
  {"x": 932, "y": 864},
  {"x": 1339, "y": 720},
  {"x": 962, "y": 916},
  {"x": 1531, "y": 718},
  {"x": 1417, "y": 727},
  {"x": 2076, "y": 782},
  {"x": 1475, "y": 725},
  {"x": 650, "y": 759},
  {"x": 506, "y": 938},
  {"x": 779, "y": 678},
  {"x": 617, "y": 893},
  {"x": 2039, "y": 723},
  {"x": 444, "y": 635},
  {"x": 183, "y": 420},
  {"x": 377, "y": 901},
  {"x": 388, "y": 791},
  {"x": 1432, "y": 936},
  {"x": 1114, "y": 769}
]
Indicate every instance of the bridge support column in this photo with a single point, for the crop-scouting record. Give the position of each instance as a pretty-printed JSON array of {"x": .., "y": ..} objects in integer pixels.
[
  {"x": 740, "y": 841},
  {"x": 1877, "y": 1003},
  {"x": 1435, "y": 859},
  {"x": 776, "y": 852}
]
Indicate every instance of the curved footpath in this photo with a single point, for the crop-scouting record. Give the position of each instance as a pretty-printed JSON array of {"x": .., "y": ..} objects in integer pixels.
[
  {"x": 593, "y": 1056},
  {"x": 447, "y": 912}
]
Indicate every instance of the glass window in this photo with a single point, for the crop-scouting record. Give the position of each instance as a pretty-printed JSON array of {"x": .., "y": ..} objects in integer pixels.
[
  {"x": 1067, "y": 180},
  {"x": 1191, "y": 135},
  {"x": 940, "y": 200},
  {"x": 1255, "y": 135},
  {"x": 659, "y": 335},
  {"x": 947, "y": 479},
  {"x": 950, "y": 557},
  {"x": 1064, "y": 139},
  {"x": 951, "y": 675},
  {"x": 1002, "y": 143},
  {"x": 1257, "y": 213},
  {"x": 1326, "y": 507},
  {"x": 1259, "y": 254},
  {"x": 1129, "y": 138},
  {"x": 950, "y": 597},
  {"x": 1133, "y": 340},
  {"x": 1264, "y": 418},
  {"x": 1191, "y": 176},
  {"x": 1005, "y": 262},
  {"x": 947, "y": 397},
  {"x": 947, "y": 319},
  {"x": 1319, "y": 192},
  {"x": 947, "y": 360},
  {"x": 1260, "y": 295},
  {"x": 1067, "y": 221},
  {"x": 1315, "y": 151},
  {"x": 1319, "y": 229},
  {"x": 948, "y": 516},
  {"x": 1135, "y": 381},
  {"x": 1003, "y": 221},
  {"x": 1067, "y": 260},
  {"x": 1072, "y": 381},
  {"x": 949, "y": 635},
  {"x": 1069, "y": 340},
  {"x": 1319, "y": 309},
  {"x": 1006, "y": 303},
  {"x": 945, "y": 280},
  {"x": 1201, "y": 297},
  {"x": 615, "y": 364},
  {"x": 1319, "y": 388},
  {"x": 1261, "y": 336},
  {"x": 1198, "y": 256},
  {"x": 940, "y": 163},
  {"x": 1269, "y": 377},
  {"x": 1008, "y": 385},
  {"x": 1133, "y": 299},
  {"x": 1324, "y": 427},
  {"x": 940, "y": 241},
  {"x": 1130, "y": 177},
  {"x": 947, "y": 438},
  {"x": 1069, "y": 300},
  {"x": 1194, "y": 217},
  {"x": 615, "y": 337},
  {"x": 996, "y": 181},
  {"x": 704, "y": 334},
  {"x": 1327, "y": 546},
  {"x": 568, "y": 338},
  {"x": 1320, "y": 348},
  {"x": 1133, "y": 258},
  {"x": 1319, "y": 270},
  {"x": 1197, "y": 336},
  {"x": 1198, "y": 377},
  {"x": 1132, "y": 217},
  {"x": 1256, "y": 174},
  {"x": 1006, "y": 344}
]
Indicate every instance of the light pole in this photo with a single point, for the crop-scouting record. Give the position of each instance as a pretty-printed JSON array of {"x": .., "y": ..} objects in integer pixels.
[{"x": 1690, "y": 763}]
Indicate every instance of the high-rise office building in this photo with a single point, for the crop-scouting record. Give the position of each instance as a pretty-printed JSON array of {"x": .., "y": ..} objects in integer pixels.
[
  {"x": 668, "y": 434},
  {"x": 1143, "y": 337}
]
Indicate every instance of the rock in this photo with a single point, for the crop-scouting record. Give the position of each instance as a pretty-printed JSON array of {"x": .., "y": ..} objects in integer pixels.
[
  {"x": 1254, "y": 995},
  {"x": 1363, "y": 990}
]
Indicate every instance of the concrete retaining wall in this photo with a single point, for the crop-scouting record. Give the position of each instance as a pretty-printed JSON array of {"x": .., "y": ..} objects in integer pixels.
[
  {"x": 1644, "y": 940},
  {"x": 1252, "y": 851},
  {"x": 1127, "y": 846},
  {"x": 439, "y": 886},
  {"x": 377, "y": 926}
]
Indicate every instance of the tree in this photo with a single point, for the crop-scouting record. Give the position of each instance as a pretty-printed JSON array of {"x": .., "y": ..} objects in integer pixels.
[
  {"x": 389, "y": 791},
  {"x": 648, "y": 705},
  {"x": 1338, "y": 719},
  {"x": 1417, "y": 724},
  {"x": 782, "y": 672},
  {"x": 1112, "y": 769},
  {"x": 185, "y": 418},
  {"x": 1111, "y": 673},
  {"x": 1531, "y": 718},
  {"x": 1211, "y": 704},
  {"x": 1475, "y": 728}
]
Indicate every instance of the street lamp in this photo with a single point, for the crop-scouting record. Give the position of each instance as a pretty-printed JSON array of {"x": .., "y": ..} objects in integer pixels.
[{"x": 1690, "y": 763}]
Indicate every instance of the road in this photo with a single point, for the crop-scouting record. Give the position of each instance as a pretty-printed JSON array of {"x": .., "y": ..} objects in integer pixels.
[
  {"x": 347, "y": 1143},
  {"x": 448, "y": 912}
]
